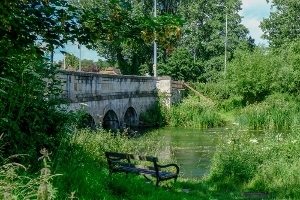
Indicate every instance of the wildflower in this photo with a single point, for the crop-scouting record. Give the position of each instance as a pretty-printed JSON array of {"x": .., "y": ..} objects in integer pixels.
[
  {"x": 253, "y": 140},
  {"x": 83, "y": 104}
]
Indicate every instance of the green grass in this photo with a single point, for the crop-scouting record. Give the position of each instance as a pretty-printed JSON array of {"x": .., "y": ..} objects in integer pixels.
[
  {"x": 244, "y": 166},
  {"x": 83, "y": 165},
  {"x": 276, "y": 112},
  {"x": 194, "y": 112},
  {"x": 268, "y": 163}
]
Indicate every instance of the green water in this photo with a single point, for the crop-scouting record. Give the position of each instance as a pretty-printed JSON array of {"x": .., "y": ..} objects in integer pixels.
[{"x": 191, "y": 148}]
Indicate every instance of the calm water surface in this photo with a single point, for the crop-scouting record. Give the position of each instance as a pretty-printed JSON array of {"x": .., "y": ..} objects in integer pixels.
[{"x": 192, "y": 148}]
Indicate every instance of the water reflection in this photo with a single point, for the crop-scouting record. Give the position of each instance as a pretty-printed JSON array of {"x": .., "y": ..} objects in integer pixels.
[{"x": 192, "y": 148}]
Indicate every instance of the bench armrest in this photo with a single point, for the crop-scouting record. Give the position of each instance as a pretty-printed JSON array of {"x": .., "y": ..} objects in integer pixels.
[{"x": 170, "y": 165}]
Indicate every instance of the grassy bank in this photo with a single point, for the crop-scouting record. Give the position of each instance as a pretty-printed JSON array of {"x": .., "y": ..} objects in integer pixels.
[
  {"x": 244, "y": 166},
  {"x": 78, "y": 170}
]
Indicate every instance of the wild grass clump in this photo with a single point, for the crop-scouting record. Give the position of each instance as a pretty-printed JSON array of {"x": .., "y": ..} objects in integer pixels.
[
  {"x": 81, "y": 160},
  {"x": 267, "y": 163},
  {"x": 276, "y": 112},
  {"x": 193, "y": 112},
  {"x": 16, "y": 183}
]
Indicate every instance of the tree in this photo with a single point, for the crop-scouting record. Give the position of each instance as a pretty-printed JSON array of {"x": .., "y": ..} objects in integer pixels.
[
  {"x": 31, "y": 116},
  {"x": 34, "y": 26},
  {"x": 282, "y": 26},
  {"x": 206, "y": 21},
  {"x": 123, "y": 33},
  {"x": 181, "y": 66},
  {"x": 72, "y": 61}
]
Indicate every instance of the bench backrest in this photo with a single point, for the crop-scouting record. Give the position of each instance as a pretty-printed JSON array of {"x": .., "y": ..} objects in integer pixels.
[{"x": 128, "y": 160}]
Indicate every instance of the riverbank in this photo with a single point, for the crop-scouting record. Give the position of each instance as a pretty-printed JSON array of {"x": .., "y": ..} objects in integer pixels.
[{"x": 242, "y": 168}]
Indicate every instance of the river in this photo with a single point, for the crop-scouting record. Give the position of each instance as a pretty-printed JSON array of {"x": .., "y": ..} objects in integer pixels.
[{"x": 191, "y": 148}]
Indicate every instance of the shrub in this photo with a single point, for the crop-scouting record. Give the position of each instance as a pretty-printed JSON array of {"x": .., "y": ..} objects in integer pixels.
[
  {"x": 276, "y": 112},
  {"x": 194, "y": 112},
  {"x": 267, "y": 163}
]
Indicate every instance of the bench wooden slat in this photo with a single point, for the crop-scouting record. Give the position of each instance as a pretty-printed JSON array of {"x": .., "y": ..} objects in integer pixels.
[{"x": 122, "y": 162}]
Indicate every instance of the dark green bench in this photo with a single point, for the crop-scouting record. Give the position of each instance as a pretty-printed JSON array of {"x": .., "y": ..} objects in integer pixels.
[{"x": 138, "y": 164}]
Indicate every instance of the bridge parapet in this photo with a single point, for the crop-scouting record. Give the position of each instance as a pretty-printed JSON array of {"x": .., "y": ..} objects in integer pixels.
[
  {"x": 115, "y": 100},
  {"x": 86, "y": 86}
]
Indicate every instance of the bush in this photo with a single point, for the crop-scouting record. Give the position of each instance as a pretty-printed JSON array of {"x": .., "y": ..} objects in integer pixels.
[
  {"x": 31, "y": 112},
  {"x": 194, "y": 112},
  {"x": 278, "y": 111},
  {"x": 266, "y": 163}
]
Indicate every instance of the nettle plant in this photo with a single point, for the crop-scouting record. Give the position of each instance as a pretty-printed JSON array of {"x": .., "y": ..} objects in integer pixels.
[{"x": 31, "y": 111}]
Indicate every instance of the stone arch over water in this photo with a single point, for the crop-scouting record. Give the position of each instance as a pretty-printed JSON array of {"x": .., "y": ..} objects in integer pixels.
[
  {"x": 110, "y": 121},
  {"x": 131, "y": 117},
  {"x": 87, "y": 121}
]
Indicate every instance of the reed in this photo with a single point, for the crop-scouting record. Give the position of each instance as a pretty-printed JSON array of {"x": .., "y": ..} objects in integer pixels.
[
  {"x": 193, "y": 112},
  {"x": 274, "y": 113}
]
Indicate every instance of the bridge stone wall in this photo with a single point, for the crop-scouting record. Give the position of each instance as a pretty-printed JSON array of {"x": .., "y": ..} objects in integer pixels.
[{"x": 126, "y": 96}]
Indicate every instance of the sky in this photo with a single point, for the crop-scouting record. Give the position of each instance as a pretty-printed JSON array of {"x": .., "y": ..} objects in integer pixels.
[{"x": 253, "y": 11}]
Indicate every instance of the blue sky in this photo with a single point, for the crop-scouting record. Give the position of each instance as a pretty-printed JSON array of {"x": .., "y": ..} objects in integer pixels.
[{"x": 253, "y": 12}]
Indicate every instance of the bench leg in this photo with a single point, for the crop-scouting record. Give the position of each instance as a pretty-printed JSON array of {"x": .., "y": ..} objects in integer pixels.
[
  {"x": 175, "y": 179},
  {"x": 157, "y": 182}
]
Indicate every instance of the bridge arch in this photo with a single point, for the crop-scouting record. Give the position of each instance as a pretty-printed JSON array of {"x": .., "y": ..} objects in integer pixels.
[
  {"x": 131, "y": 117},
  {"x": 110, "y": 121},
  {"x": 87, "y": 121}
]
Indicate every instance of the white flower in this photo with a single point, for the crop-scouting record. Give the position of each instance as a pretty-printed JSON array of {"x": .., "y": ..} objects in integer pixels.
[
  {"x": 253, "y": 140},
  {"x": 83, "y": 104}
]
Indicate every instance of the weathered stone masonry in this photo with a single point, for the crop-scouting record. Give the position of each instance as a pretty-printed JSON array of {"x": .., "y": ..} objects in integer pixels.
[{"x": 114, "y": 100}]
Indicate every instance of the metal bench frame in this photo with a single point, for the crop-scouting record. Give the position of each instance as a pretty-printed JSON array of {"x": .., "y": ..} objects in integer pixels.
[{"x": 130, "y": 163}]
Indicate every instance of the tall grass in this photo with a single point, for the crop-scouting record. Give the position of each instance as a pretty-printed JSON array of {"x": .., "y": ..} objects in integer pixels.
[
  {"x": 266, "y": 163},
  {"x": 83, "y": 159},
  {"x": 276, "y": 112},
  {"x": 193, "y": 112},
  {"x": 16, "y": 183}
]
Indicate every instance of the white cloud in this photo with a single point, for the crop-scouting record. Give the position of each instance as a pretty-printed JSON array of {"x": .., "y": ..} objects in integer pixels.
[{"x": 253, "y": 12}]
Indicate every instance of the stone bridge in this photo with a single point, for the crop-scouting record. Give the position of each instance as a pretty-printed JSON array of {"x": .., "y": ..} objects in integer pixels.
[{"x": 116, "y": 101}]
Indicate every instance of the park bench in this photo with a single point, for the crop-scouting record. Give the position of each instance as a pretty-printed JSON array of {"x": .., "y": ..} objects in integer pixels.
[{"x": 138, "y": 164}]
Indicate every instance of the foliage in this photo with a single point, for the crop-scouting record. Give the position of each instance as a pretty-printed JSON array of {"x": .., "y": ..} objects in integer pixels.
[
  {"x": 265, "y": 163},
  {"x": 194, "y": 112},
  {"x": 206, "y": 21},
  {"x": 31, "y": 112},
  {"x": 281, "y": 26},
  {"x": 34, "y": 27},
  {"x": 156, "y": 115},
  {"x": 31, "y": 109},
  {"x": 72, "y": 62},
  {"x": 121, "y": 32},
  {"x": 181, "y": 66},
  {"x": 17, "y": 184},
  {"x": 276, "y": 112}
]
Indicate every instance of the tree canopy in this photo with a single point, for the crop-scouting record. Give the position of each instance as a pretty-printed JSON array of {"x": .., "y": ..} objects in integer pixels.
[{"x": 282, "y": 26}]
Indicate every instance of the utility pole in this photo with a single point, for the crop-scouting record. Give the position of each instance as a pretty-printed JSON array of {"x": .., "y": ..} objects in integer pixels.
[
  {"x": 79, "y": 46},
  {"x": 155, "y": 46},
  {"x": 226, "y": 31}
]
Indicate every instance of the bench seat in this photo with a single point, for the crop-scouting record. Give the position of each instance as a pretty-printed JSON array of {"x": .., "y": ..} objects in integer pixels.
[{"x": 130, "y": 163}]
